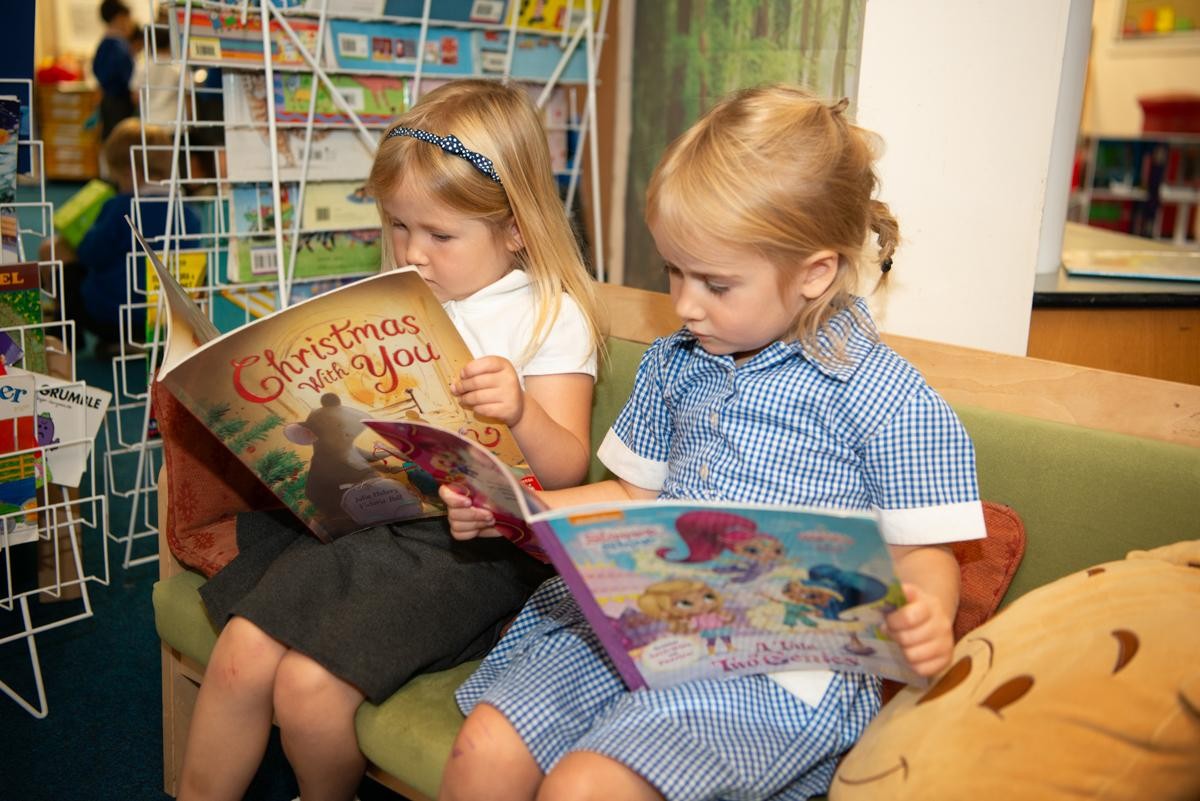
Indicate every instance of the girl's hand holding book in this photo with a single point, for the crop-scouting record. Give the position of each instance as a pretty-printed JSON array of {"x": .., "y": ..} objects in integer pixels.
[
  {"x": 467, "y": 521},
  {"x": 923, "y": 630},
  {"x": 490, "y": 387}
]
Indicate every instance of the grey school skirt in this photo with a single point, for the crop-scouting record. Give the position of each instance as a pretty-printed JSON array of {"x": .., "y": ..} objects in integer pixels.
[{"x": 376, "y": 607}]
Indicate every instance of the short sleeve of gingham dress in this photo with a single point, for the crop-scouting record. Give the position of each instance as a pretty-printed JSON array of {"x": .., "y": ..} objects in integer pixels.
[
  {"x": 637, "y": 447},
  {"x": 919, "y": 468}
]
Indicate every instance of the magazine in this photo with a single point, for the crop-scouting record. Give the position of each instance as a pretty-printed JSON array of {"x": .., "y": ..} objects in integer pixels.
[
  {"x": 684, "y": 590},
  {"x": 67, "y": 417},
  {"x": 287, "y": 394},
  {"x": 23, "y": 473}
]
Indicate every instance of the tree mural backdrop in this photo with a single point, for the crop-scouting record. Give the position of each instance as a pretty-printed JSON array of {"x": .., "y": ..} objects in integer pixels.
[{"x": 689, "y": 53}]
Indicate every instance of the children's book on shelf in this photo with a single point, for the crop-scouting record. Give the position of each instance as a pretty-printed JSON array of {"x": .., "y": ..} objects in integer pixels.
[
  {"x": 67, "y": 417},
  {"x": 335, "y": 154},
  {"x": 329, "y": 243},
  {"x": 221, "y": 34},
  {"x": 554, "y": 15},
  {"x": 683, "y": 590},
  {"x": 191, "y": 267},
  {"x": 392, "y": 47},
  {"x": 22, "y": 474},
  {"x": 534, "y": 57},
  {"x": 376, "y": 99},
  {"x": 21, "y": 313},
  {"x": 288, "y": 393},
  {"x": 485, "y": 11}
]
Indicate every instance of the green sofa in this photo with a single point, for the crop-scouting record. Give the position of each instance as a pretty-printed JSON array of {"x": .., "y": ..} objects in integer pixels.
[{"x": 1085, "y": 496}]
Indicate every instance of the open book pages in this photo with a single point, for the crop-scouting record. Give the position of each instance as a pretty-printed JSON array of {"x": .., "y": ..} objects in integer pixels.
[
  {"x": 683, "y": 590},
  {"x": 288, "y": 393}
]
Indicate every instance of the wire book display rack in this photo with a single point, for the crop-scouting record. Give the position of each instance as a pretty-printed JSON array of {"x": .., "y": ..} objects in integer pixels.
[
  {"x": 64, "y": 512},
  {"x": 264, "y": 193}
]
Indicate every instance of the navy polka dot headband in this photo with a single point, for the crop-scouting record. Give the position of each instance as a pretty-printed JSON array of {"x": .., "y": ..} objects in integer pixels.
[{"x": 453, "y": 146}]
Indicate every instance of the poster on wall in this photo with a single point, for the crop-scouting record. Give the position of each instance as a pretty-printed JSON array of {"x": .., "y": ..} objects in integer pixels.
[{"x": 717, "y": 47}]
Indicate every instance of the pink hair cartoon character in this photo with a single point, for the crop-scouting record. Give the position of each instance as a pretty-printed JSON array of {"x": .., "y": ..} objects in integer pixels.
[{"x": 710, "y": 534}]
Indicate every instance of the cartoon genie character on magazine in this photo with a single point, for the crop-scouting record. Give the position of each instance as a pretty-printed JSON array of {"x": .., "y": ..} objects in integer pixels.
[
  {"x": 746, "y": 552},
  {"x": 690, "y": 606},
  {"x": 827, "y": 594},
  {"x": 337, "y": 464}
]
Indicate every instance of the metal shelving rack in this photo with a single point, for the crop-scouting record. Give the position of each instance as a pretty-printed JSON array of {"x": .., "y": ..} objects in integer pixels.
[
  {"x": 65, "y": 518},
  {"x": 131, "y": 436}
]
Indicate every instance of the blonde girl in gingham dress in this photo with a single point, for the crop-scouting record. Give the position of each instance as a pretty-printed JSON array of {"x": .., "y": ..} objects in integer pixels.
[{"x": 776, "y": 390}]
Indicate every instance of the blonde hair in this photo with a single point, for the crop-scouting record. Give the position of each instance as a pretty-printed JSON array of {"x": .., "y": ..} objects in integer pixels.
[
  {"x": 499, "y": 122},
  {"x": 127, "y": 134},
  {"x": 777, "y": 170}
]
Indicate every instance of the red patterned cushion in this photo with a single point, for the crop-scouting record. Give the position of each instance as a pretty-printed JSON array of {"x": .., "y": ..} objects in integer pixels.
[
  {"x": 987, "y": 566},
  {"x": 206, "y": 488}
]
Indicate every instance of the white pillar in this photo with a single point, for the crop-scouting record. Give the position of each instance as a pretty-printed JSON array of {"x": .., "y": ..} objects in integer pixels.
[{"x": 967, "y": 98}]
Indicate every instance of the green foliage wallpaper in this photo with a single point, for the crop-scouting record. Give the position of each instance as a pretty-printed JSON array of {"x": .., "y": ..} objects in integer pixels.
[{"x": 689, "y": 53}]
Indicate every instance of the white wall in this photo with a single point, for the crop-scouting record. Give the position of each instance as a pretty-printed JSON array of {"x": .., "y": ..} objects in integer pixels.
[
  {"x": 1123, "y": 71},
  {"x": 966, "y": 96}
]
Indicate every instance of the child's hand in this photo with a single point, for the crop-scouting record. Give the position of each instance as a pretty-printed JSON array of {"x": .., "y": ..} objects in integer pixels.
[
  {"x": 466, "y": 521},
  {"x": 923, "y": 630},
  {"x": 491, "y": 388}
]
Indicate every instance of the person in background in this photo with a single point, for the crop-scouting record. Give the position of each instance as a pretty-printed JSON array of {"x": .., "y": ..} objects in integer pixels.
[
  {"x": 113, "y": 65},
  {"x": 97, "y": 283}
]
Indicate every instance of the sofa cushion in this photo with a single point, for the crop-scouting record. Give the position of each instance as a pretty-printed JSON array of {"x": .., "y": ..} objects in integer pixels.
[
  {"x": 208, "y": 487},
  {"x": 987, "y": 566},
  {"x": 1087, "y": 687}
]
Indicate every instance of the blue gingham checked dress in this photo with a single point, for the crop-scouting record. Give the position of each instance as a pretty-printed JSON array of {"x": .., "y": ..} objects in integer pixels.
[{"x": 845, "y": 424}]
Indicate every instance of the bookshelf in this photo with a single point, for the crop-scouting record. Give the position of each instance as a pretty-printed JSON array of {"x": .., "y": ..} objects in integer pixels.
[
  {"x": 49, "y": 505},
  {"x": 270, "y": 158}
]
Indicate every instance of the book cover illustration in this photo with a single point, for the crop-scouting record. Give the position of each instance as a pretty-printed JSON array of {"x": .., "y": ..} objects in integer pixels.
[
  {"x": 22, "y": 475},
  {"x": 684, "y": 590},
  {"x": 288, "y": 393},
  {"x": 325, "y": 247},
  {"x": 681, "y": 590},
  {"x": 21, "y": 312},
  {"x": 376, "y": 99},
  {"x": 393, "y": 47},
  {"x": 67, "y": 418},
  {"x": 446, "y": 458},
  {"x": 222, "y": 35},
  {"x": 334, "y": 154}
]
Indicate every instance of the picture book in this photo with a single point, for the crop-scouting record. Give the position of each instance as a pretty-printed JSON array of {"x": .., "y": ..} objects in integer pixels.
[
  {"x": 288, "y": 393},
  {"x": 326, "y": 247},
  {"x": 334, "y": 154},
  {"x": 683, "y": 590},
  {"x": 67, "y": 417},
  {"x": 553, "y": 15},
  {"x": 22, "y": 474},
  {"x": 191, "y": 267},
  {"x": 1159, "y": 265},
  {"x": 376, "y": 99},
  {"x": 21, "y": 312},
  {"x": 392, "y": 47},
  {"x": 534, "y": 57},
  {"x": 222, "y": 34}
]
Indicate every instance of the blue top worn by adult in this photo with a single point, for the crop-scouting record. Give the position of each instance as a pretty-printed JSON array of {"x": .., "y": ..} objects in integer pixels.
[
  {"x": 113, "y": 65},
  {"x": 102, "y": 257}
]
